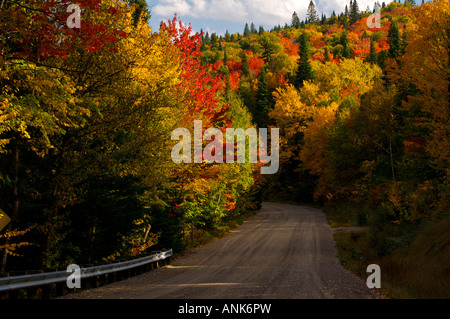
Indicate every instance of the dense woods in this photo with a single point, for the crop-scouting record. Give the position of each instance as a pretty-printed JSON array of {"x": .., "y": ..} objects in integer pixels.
[{"x": 86, "y": 117}]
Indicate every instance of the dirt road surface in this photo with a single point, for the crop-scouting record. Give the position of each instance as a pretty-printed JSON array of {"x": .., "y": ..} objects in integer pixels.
[{"x": 284, "y": 252}]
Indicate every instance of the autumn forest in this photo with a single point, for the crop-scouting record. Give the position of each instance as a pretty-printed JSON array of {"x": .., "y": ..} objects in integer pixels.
[{"x": 86, "y": 116}]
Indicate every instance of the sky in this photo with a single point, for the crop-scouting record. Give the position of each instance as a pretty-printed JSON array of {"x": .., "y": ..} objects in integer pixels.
[{"x": 221, "y": 15}]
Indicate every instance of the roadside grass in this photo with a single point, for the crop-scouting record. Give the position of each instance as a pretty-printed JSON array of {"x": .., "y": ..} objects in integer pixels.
[
  {"x": 347, "y": 214},
  {"x": 414, "y": 261}
]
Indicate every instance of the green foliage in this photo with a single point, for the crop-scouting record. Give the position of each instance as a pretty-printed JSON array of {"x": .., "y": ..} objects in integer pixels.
[
  {"x": 395, "y": 42},
  {"x": 264, "y": 102},
  {"x": 304, "y": 69}
]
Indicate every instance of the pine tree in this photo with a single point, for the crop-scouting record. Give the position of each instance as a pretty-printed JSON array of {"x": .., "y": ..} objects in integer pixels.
[
  {"x": 311, "y": 13},
  {"x": 214, "y": 39},
  {"x": 395, "y": 41},
  {"x": 246, "y": 30},
  {"x": 206, "y": 39},
  {"x": 253, "y": 29},
  {"x": 372, "y": 57},
  {"x": 245, "y": 67},
  {"x": 225, "y": 56},
  {"x": 304, "y": 69},
  {"x": 227, "y": 36},
  {"x": 261, "y": 30},
  {"x": 326, "y": 54},
  {"x": 345, "y": 44},
  {"x": 295, "y": 20},
  {"x": 264, "y": 100},
  {"x": 354, "y": 12}
]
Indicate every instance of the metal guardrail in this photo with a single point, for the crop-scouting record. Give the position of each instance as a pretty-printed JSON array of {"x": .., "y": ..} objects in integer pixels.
[{"x": 44, "y": 279}]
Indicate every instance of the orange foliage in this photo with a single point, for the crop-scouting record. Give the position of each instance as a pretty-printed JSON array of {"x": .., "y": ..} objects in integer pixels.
[
  {"x": 362, "y": 48},
  {"x": 290, "y": 47},
  {"x": 317, "y": 41},
  {"x": 359, "y": 26},
  {"x": 318, "y": 56},
  {"x": 334, "y": 29},
  {"x": 382, "y": 44},
  {"x": 255, "y": 64},
  {"x": 349, "y": 90}
]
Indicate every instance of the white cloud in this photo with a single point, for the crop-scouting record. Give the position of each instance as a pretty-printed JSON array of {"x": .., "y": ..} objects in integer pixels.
[
  {"x": 169, "y": 7},
  {"x": 265, "y": 12},
  {"x": 226, "y": 10}
]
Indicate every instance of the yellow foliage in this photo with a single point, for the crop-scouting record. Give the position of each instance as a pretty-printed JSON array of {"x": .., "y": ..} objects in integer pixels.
[
  {"x": 12, "y": 247},
  {"x": 290, "y": 115},
  {"x": 425, "y": 64},
  {"x": 315, "y": 140}
]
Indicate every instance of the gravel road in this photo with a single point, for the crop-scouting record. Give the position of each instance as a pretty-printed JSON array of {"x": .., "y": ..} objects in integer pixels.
[{"x": 284, "y": 252}]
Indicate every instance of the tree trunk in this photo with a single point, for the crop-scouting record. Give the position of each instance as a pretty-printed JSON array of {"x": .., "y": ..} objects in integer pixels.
[{"x": 392, "y": 160}]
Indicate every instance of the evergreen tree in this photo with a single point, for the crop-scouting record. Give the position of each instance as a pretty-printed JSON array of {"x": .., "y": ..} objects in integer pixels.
[
  {"x": 261, "y": 30},
  {"x": 326, "y": 54},
  {"x": 354, "y": 12},
  {"x": 264, "y": 101},
  {"x": 206, "y": 39},
  {"x": 395, "y": 41},
  {"x": 227, "y": 36},
  {"x": 253, "y": 29},
  {"x": 346, "y": 11},
  {"x": 268, "y": 50},
  {"x": 214, "y": 39},
  {"x": 372, "y": 57},
  {"x": 227, "y": 85},
  {"x": 304, "y": 69},
  {"x": 295, "y": 20},
  {"x": 246, "y": 30},
  {"x": 225, "y": 56},
  {"x": 245, "y": 67},
  {"x": 311, "y": 13},
  {"x": 345, "y": 44}
]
